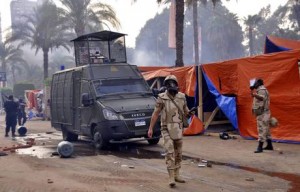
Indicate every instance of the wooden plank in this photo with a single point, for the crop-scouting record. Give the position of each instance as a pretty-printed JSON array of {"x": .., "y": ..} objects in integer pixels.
[
  {"x": 207, "y": 123},
  {"x": 153, "y": 84},
  {"x": 219, "y": 122}
]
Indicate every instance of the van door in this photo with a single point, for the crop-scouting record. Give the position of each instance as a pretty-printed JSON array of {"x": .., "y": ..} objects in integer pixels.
[{"x": 76, "y": 100}]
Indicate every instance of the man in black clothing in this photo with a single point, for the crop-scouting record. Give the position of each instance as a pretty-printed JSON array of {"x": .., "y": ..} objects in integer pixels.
[
  {"x": 11, "y": 109},
  {"x": 21, "y": 113}
]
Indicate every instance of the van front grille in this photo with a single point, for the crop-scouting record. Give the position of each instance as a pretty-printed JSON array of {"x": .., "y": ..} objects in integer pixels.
[{"x": 135, "y": 115}]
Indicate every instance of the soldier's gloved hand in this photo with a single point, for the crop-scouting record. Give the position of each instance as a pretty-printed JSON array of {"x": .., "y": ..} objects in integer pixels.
[{"x": 193, "y": 111}]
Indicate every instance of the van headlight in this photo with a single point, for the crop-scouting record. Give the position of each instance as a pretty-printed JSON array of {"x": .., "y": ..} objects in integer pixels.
[{"x": 110, "y": 115}]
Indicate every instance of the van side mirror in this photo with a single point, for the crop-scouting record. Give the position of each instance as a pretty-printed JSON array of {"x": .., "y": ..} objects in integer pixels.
[{"x": 86, "y": 100}]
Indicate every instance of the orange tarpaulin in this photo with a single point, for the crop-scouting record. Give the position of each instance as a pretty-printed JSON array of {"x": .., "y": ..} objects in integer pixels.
[
  {"x": 287, "y": 43},
  {"x": 195, "y": 127},
  {"x": 185, "y": 75},
  {"x": 281, "y": 77}
]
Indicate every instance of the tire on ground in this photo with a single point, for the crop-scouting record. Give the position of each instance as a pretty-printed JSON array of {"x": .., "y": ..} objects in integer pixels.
[
  {"x": 153, "y": 141},
  {"x": 98, "y": 141}
]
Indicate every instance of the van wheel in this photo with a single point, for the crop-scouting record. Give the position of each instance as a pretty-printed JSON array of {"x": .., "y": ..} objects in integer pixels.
[
  {"x": 98, "y": 141},
  {"x": 153, "y": 141},
  {"x": 68, "y": 136}
]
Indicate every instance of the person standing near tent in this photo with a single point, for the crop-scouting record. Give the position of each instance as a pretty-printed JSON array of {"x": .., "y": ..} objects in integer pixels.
[
  {"x": 21, "y": 113},
  {"x": 261, "y": 109},
  {"x": 11, "y": 109},
  {"x": 173, "y": 108}
]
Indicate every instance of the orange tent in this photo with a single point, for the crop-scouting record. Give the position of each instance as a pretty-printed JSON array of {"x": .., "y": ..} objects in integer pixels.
[
  {"x": 185, "y": 75},
  {"x": 287, "y": 43},
  {"x": 281, "y": 77}
]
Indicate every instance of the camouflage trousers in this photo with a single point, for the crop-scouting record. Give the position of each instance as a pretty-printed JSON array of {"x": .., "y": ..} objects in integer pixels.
[
  {"x": 263, "y": 126},
  {"x": 173, "y": 149}
]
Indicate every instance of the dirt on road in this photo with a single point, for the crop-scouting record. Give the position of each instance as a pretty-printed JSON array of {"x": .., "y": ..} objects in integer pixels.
[{"x": 210, "y": 164}]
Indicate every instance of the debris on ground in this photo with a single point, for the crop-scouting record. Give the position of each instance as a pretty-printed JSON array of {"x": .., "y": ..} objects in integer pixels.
[
  {"x": 50, "y": 181},
  {"x": 29, "y": 143},
  {"x": 249, "y": 179},
  {"x": 2, "y": 153}
]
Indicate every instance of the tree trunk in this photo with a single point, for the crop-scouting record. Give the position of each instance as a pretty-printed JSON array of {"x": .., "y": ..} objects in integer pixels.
[
  {"x": 13, "y": 75},
  {"x": 79, "y": 29},
  {"x": 4, "y": 70},
  {"x": 179, "y": 32},
  {"x": 196, "y": 33},
  {"x": 45, "y": 54},
  {"x": 250, "y": 40}
]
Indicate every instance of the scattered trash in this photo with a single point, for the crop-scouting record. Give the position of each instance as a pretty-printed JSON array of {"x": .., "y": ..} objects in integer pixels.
[
  {"x": 116, "y": 162},
  {"x": 201, "y": 165},
  {"x": 50, "y": 181},
  {"x": 55, "y": 154},
  {"x": 209, "y": 164},
  {"x": 2, "y": 153},
  {"x": 65, "y": 149},
  {"x": 49, "y": 132},
  {"x": 226, "y": 136},
  {"x": 131, "y": 166},
  {"x": 124, "y": 165},
  {"x": 204, "y": 161},
  {"x": 249, "y": 179}
]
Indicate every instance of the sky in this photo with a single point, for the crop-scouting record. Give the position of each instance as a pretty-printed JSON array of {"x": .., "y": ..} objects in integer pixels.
[{"x": 133, "y": 16}]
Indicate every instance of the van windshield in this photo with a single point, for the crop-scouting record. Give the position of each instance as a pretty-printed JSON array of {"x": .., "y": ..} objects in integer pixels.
[{"x": 117, "y": 86}]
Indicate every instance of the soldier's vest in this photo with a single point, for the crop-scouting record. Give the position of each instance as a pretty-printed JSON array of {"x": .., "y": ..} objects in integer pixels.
[
  {"x": 171, "y": 119},
  {"x": 259, "y": 107}
]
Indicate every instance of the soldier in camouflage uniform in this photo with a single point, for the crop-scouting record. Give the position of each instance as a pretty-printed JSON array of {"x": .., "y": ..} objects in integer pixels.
[
  {"x": 261, "y": 101},
  {"x": 171, "y": 126}
]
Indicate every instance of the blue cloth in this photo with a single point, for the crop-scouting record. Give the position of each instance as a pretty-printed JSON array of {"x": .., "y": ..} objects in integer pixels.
[
  {"x": 226, "y": 104},
  {"x": 271, "y": 47}
]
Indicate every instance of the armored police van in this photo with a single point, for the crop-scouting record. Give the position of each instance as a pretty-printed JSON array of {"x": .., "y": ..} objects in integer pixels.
[{"x": 103, "y": 97}]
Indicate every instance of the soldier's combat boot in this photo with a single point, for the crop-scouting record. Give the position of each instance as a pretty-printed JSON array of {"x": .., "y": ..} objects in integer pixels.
[
  {"x": 171, "y": 177},
  {"x": 177, "y": 176},
  {"x": 259, "y": 148},
  {"x": 269, "y": 145}
]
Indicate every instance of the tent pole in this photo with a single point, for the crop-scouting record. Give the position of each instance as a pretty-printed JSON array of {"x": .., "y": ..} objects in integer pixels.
[{"x": 200, "y": 105}]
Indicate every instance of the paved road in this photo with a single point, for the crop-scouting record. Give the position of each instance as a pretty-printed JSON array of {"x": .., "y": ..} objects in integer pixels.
[{"x": 140, "y": 167}]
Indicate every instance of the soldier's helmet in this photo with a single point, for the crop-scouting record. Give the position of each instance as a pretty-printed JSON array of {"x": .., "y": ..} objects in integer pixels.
[{"x": 170, "y": 78}]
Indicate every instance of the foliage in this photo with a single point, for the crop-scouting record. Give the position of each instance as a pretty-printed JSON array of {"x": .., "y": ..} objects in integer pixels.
[
  {"x": 283, "y": 23},
  {"x": 44, "y": 30},
  {"x": 85, "y": 16},
  {"x": 251, "y": 23},
  {"x": 222, "y": 37},
  {"x": 11, "y": 57},
  {"x": 152, "y": 43},
  {"x": 48, "y": 81},
  {"x": 6, "y": 91},
  {"x": 19, "y": 89},
  {"x": 59, "y": 59}
]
